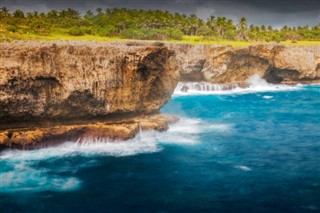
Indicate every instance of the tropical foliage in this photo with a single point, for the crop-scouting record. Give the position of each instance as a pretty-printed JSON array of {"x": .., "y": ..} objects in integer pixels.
[{"x": 146, "y": 24}]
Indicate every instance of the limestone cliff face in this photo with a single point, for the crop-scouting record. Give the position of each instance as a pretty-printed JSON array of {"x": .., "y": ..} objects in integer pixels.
[
  {"x": 56, "y": 91},
  {"x": 227, "y": 65},
  {"x": 65, "y": 81}
]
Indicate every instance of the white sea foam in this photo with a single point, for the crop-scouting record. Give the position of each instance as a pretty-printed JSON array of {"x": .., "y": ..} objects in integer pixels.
[
  {"x": 244, "y": 168},
  {"x": 22, "y": 177},
  {"x": 254, "y": 84},
  {"x": 267, "y": 97},
  {"x": 19, "y": 173},
  {"x": 186, "y": 130},
  {"x": 144, "y": 142},
  {"x": 256, "y": 80},
  {"x": 87, "y": 147}
]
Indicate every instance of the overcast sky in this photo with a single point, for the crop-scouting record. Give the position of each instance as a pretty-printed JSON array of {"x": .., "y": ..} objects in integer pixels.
[{"x": 268, "y": 12}]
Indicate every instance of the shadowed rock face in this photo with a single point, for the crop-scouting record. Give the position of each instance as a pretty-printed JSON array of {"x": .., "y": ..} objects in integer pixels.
[
  {"x": 227, "y": 65},
  {"x": 65, "y": 81}
]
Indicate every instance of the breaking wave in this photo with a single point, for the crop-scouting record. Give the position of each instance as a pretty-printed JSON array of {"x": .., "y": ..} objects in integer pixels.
[
  {"x": 19, "y": 169},
  {"x": 254, "y": 84}
]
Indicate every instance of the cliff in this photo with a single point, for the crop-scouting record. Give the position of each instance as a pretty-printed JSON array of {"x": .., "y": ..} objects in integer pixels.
[
  {"x": 48, "y": 84},
  {"x": 72, "y": 80},
  {"x": 227, "y": 65},
  {"x": 56, "y": 91}
]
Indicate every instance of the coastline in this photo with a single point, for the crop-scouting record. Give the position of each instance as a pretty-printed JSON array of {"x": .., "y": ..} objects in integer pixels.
[
  {"x": 40, "y": 137},
  {"x": 68, "y": 90}
]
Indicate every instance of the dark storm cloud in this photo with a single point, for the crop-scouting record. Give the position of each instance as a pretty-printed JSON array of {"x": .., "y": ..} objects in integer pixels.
[{"x": 273, "y": 12}]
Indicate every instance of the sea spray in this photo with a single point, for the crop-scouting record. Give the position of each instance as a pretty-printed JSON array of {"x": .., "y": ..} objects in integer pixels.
[
  {"x": 254, "y": 84},
  {"x": 20, "y": 172},
  {"x": 256, "y": 81}
]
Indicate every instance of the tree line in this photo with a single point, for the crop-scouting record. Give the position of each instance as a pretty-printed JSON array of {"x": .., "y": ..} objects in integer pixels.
[{"x": 147, "y": 24}]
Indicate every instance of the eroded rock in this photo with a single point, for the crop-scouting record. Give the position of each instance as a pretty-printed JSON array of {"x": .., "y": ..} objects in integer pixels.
[
  {"x": 51, "y": 92},
  {"x": 40, "y": 137},
  {"x": 67, "y": 90},
  {"x": 75, "y": 80},
  {"x": 226, "y": 65}
]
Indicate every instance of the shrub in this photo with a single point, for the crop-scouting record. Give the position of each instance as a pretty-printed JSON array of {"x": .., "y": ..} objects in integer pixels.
[
  {"x": 76, "y": 31},
  {"x": 88, "y": 30},
  {"x": 12, "y": 28},
  {"x": 132, "y": 33},
  {"x": 108, "y": 30},
  {"x": 152, "y": 34},
  {"x": 168, "y": 33},
  {"x": 277, "y": 38},
  {"x": 40, "y": 27},
  {"x": 292, "y": 36}
]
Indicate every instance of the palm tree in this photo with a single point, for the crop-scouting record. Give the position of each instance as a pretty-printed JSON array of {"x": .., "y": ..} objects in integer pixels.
[
  {"x": 194, "y": 24},
  {"x": 18, "y": 14},
  {"x": 230, "y": 29},
  {"x": 284, "y": 28},
  {"x": 35, "y": 14},
  {"x": 221, "y": 26},
  {"x": 73, "y": 14},
  {"x": 211, "y": 22},
  {"x": 29, "y": 15},
  {"x": 52, "y": 14},
  {"x": 99, "y": 11},
  {"x": 5, "y": 12},
  {"x": 88, "y": 15},
  {"x": 242, "y": 28}
]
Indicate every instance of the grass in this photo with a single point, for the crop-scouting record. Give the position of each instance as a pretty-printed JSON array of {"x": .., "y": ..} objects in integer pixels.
[
  {"x": 4, "y": 35},
  {"x": 302, "y": 43},
  {"x": 58, "y": 36},
  {"x": 200, "y": 40}
]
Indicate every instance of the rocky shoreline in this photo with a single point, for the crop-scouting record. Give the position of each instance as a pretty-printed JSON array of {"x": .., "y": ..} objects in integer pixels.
[
  {"x": 72, "y": 90},
  {"x": 226, "y": 65},
  {"x": 51, "y": 92},
  {"x": 41, "y": 137}
]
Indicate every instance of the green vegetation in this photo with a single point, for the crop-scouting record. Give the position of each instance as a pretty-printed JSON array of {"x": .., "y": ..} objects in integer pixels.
[{"x": 115, "y": 24}]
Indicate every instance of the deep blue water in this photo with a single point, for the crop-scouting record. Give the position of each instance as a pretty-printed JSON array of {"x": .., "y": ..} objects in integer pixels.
[{"x": 233, "y": 152}]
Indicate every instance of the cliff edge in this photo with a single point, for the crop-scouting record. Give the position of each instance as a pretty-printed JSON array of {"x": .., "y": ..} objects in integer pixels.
[
  {"x": 69, "y": 90},
  {"x": 45, "y": 84},
  {"x": 286, "y": 64}
]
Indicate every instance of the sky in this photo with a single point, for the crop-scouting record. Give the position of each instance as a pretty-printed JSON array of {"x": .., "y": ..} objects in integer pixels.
[{"x": 268, "y": 12}]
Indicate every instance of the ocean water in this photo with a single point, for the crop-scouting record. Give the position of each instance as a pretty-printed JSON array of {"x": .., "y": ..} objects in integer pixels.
[{"x": 245, "y": 150}]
